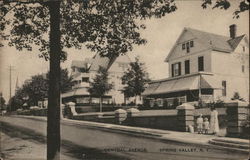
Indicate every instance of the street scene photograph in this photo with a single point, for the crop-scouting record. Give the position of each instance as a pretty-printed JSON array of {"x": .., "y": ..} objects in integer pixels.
[{"x": 124, "y": 80}]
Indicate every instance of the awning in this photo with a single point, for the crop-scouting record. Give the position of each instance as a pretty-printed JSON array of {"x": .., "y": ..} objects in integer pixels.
[
  {"x": 208, "y": 81},
  {"x": 79, "y": 92},
  {"x": 151, "y": 88},
  {"x": 182, "y": 84}
]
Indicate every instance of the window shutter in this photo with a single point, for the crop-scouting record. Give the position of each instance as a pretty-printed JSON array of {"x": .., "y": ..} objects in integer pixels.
[
  {"x": 172, "y": 67},
  {"x": 200, "y": 63},
  {"x": 187, "y": 67},
  {"x": 179, "y": 68}
]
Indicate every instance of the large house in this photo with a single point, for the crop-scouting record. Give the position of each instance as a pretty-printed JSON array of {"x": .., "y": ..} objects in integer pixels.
[
  {"x": 203, "y": 66},
  {"x": 85, "y": 71}
]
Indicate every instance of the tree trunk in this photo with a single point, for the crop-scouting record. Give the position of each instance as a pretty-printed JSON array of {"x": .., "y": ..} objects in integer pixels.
[
  {"x": 100, "y": 104},
  {"x": 125, "y": 100},
  {"x": 53, "y": 118}
]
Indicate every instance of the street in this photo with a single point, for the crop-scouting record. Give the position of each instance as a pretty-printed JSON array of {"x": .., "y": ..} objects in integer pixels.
[{"x": 92, "y": 143}]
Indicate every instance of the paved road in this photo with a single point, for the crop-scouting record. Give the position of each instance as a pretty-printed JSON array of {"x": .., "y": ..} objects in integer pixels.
[{"x": 124, "y": 146}]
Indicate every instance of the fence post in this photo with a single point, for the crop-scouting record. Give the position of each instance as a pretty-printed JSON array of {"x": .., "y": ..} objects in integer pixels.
[
  {"x": 185, "y": 116},
  {"x": 72, "y": 105},
  {"x": 120, "y": 116},
  {"x": 131, "y": 112},
  {"x": 237, "y": 112}
]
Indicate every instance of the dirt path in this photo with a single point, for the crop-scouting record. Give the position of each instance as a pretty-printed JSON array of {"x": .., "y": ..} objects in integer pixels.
[{"x": 24, "y": 148}]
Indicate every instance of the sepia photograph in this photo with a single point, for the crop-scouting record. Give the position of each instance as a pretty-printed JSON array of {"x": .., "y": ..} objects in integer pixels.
[{"x": 124, "y": 80}]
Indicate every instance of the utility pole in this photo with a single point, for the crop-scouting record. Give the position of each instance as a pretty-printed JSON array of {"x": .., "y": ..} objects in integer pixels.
[{"x": 11, "y": 68}]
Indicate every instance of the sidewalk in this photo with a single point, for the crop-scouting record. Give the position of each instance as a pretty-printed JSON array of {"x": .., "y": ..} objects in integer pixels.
[{"x": 231, "y": 144}]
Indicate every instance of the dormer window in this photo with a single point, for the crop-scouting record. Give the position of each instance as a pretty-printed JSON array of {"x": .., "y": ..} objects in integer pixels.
[
  {"x": 187, "y": 46},
  {"x": 183, "y": 46},
  {"x": 191, "y": 43}
]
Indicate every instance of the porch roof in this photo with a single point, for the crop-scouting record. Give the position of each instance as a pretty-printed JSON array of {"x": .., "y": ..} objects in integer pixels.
[
  {"x": 75, "y": 92},
  {"x": 182, "y": 84},
  {"x": 81, "y": 91}
]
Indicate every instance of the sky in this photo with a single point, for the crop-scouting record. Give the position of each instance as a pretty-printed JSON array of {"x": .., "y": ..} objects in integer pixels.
[{"x": 161, "y": 35}]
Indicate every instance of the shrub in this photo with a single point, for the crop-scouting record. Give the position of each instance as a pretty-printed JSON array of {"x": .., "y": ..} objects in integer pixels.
[{"x": 236, "y": 96}]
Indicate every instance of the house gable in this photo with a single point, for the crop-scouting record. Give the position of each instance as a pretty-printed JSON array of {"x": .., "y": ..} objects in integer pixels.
[
  {"x": 242, "y": 46},
  {"x": 121, "y": 64},
  {"x": 186, "y": 37}
]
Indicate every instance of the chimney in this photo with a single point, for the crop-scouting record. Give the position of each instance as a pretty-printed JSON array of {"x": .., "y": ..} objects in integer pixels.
[{"x": 232, "y": 30}]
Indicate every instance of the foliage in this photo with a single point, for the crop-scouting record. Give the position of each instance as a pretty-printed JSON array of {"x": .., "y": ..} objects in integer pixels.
[
  {"x": 65, "y": 81},
  {"x": 135, "y": 79},
  {"x": 105, "y": 26},
  {"x": 175, "y": 102},
  {"x": 225, "y": 4},
  {"x": 36, "y": 89},
  {"x": 2, "y": 102},
  {"x": 236, "y": 96},
  {"x": 216, "y": 104},
  {"x": 100, "y": 85}
]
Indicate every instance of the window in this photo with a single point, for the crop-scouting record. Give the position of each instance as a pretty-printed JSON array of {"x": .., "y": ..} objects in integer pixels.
[
  {"x": 201, "y": 63},
  {"x": 85, "y": 79},
  {"x": 243, "y": 48},
  {"x": 243, "y": 68},
  {"x": 191, "y": 43},
  {"x": 187, "y": 67},
  {"x": 187, "y": 47},
  {"x": 183, "y": 46},
  {"x": 159, "y": 102},
  {"x": 224, "y": 88},
  {"x": 176, "y": 69}
]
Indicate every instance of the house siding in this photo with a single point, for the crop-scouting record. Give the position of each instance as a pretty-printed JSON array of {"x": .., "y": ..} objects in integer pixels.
[
  {"x": 228, "y": 67},
  {"x": 193, "y": 60}
]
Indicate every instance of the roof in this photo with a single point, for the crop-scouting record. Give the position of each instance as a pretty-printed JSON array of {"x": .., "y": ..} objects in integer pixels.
[
  {"x": 100, "y": 61},
  {"x": 234, "y": 42},
  {"x": 106, "y": 62},
  {"x": 76, "y": 92},
  {"x": 181, "y": 84},
  {"x": 79, "y": 64},
  {"x": 82, "y": 91},
  {"x": 213, "y": 41},
  {"x": 216, "y": 42}
]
